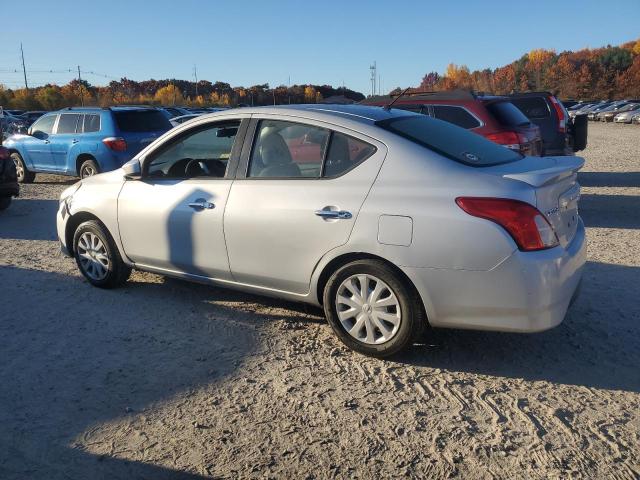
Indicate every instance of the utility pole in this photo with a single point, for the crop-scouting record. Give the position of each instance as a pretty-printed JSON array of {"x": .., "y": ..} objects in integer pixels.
[
  {"x": 81, "y": 93},
  {"x": 374, "y": 74},
  {"x": 24, "y": 70},
  {"x": 195, "y": 74}
]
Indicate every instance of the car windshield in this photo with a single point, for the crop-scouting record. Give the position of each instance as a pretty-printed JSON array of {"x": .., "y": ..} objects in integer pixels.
[
  {"x": 141, "y": 121},
  {"x": 450, "y": 140}
]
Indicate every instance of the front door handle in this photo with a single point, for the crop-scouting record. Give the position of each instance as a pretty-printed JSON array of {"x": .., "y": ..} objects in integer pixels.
[
  {"x": 337, "y": 214},
  {"x": 74, "y": 141},
  {"x": 201, "y": 204},
  {"x": 47, "y": 141}
]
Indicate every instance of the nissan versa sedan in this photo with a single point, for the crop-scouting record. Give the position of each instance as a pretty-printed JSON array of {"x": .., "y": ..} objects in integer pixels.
[{"x": 388, "y": 219}]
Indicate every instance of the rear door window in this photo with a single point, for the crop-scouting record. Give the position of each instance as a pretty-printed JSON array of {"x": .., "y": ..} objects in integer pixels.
[
  {"x": 344, "y": 153},
  {"x": 450, "y": 140},
  {"x": 532, "y": 107},
  {"x": 141, "y": 121},
  {"x": 289, "y": 150},
  {"x": 456, "y": 115},
  {"x": 91, "y": 123},
  {"x": 508, "y": 114}
]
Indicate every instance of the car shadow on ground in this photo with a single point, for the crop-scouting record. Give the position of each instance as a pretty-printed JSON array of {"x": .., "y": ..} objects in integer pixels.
[
  {"x": 609, "y": 179},
  {"x": 78, "y": 356},
  {"x": 28, "y": 219},
  {"x": 610, "y": 211},
  {"x": 578, "y": 352}
]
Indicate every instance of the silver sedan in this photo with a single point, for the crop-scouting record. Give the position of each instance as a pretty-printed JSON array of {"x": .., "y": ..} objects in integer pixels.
[{"x": 389, "y": 220}]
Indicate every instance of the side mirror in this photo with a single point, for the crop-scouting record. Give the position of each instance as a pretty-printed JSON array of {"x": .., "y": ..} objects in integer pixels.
[{"x": 132, "y": 169}]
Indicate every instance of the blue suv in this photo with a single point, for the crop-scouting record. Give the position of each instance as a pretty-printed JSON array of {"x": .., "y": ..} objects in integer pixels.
[{"x": 84, "y": 141}]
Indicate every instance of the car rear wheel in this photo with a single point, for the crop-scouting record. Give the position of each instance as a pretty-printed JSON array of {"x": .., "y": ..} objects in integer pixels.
[
  {"x": 4, "y": 203},
  {"x": 24, "y": 175},
  {"x": 372, "y": 309},
  {"x": 89, "y": 168},
  {"x": 98, "y": 257}
]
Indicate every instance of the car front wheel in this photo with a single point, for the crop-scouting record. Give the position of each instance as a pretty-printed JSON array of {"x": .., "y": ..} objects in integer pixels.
[
  {"x": 372, "y": 309},
  {"x": 24, "y": 175},
  {"x": 98, "y": 257}
]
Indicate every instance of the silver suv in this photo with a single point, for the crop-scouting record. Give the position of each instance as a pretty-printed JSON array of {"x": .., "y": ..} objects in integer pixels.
[{"x": 386, "y": 218}]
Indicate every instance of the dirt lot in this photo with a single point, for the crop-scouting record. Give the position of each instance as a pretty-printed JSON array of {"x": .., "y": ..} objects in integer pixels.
[{"x": 165, "y": 379}]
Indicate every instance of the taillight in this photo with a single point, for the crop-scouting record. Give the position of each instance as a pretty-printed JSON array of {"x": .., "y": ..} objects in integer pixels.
[
  {"x": 526, "y": 224},
  {"x": 508, "y": 139},
  {"x": 562, "y": 118},
  {"x": 117, "y": 144}
]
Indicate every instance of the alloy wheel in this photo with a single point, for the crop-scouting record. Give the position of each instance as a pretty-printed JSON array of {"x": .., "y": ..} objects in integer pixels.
[
  {"x": 19, "y": 169},
  {"x": 368, "y": 309},
  {"x": 93, "y": 256},
  {"x": 87, "y": 171}
]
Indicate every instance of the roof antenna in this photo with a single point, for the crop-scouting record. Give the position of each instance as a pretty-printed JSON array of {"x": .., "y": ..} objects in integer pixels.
[{"x": 388, "y": 106}]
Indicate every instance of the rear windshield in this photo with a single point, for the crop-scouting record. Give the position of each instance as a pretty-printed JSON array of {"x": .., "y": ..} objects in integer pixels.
[
  {"x": 508, "y": 114},
  {"x": 141, "y": 121},
  {"x": 532, "y": 107},
  {"x": 450, "y": 140}
]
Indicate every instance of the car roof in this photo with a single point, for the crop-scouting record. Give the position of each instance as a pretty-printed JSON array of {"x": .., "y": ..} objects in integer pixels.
[{"x": 357, "y": 113}]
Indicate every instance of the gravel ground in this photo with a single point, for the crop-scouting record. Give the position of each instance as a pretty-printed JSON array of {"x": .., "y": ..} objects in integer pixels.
[{"x": 165, "y": 379}]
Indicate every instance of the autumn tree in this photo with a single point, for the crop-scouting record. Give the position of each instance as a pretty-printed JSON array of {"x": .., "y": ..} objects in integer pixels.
[{"x": 169, "y": 95}]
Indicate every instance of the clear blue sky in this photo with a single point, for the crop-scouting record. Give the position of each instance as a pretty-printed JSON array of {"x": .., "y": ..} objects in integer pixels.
[{"x": 252, "y": 42}]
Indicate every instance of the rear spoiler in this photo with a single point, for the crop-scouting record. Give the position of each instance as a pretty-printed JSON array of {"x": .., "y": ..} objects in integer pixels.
[{"x": 565, "y": 167}]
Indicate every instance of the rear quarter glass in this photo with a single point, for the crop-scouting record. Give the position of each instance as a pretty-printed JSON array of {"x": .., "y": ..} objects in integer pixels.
[
  {"x": 449, "y": 140},
  {"x": 532, "y": 107},
  {"x": 508, "y": 114},
  {"x": 141, "y": 121}
]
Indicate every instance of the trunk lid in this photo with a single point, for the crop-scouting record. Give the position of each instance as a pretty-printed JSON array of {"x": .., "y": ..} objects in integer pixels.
[{"x": 555, "y": 181}]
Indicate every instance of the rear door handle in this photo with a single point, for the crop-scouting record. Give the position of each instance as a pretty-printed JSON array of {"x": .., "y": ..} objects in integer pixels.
[
  {"x": 74, "y": 141},
  {"x": 201, "y": 204},
  {"x": 337, "y": 214}
]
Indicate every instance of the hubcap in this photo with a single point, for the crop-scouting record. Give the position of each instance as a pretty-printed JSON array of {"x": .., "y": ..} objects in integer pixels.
[
  {"x": 93, "y": 256},
  {"x": 19, "y": 168},
  {"x": 368, "y": 309},
  {"x": 87, "y": 171}
]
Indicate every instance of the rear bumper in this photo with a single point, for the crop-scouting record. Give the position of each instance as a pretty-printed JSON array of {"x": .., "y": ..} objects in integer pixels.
[{"x": 528, "y": 292}]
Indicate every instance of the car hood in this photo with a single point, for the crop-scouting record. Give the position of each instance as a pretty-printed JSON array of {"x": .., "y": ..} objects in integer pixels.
[{"x": 114, "y": 176}]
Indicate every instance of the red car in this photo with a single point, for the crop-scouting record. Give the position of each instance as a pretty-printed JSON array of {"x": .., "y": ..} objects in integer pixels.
[{"x": 493, "y": 117}]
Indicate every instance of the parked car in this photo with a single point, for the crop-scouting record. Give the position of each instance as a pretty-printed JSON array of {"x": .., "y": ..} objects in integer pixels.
[
  {"x": 175, "y": 121},
  {"x": 627, "y": 116},
  {"x": 608, "y": 114},
  {"x": 387, "y": 218},
  {"x": 495, "y": 118},
  {"x": 8, "y": 179},
  {"x": 593, "y": 114},
  {"x": 559, "y": 137},
  {"x": 173, "y": 112},
  {"x": 84, "y": 141},
  {"x": 32, "y": 116},
  {"x": 567, "y": 104},
  {"x": 589, "y": 108}
]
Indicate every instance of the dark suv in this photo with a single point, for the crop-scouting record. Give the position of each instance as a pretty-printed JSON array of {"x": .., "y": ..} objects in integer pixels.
[
  {"x": 493, "y": 117},
  {"x": 561, "y": 135},
  {"x": 8, "y": 179}
]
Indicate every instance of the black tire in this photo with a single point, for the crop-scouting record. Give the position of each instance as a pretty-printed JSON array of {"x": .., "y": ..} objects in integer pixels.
[
  {"x": 117, "y": 271},
  {"x": 412, "y": 317},
  {"x": 4, "y": 203},
  {"x": 88, "y": 168},
  {"x": 24, "y": 175}
]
